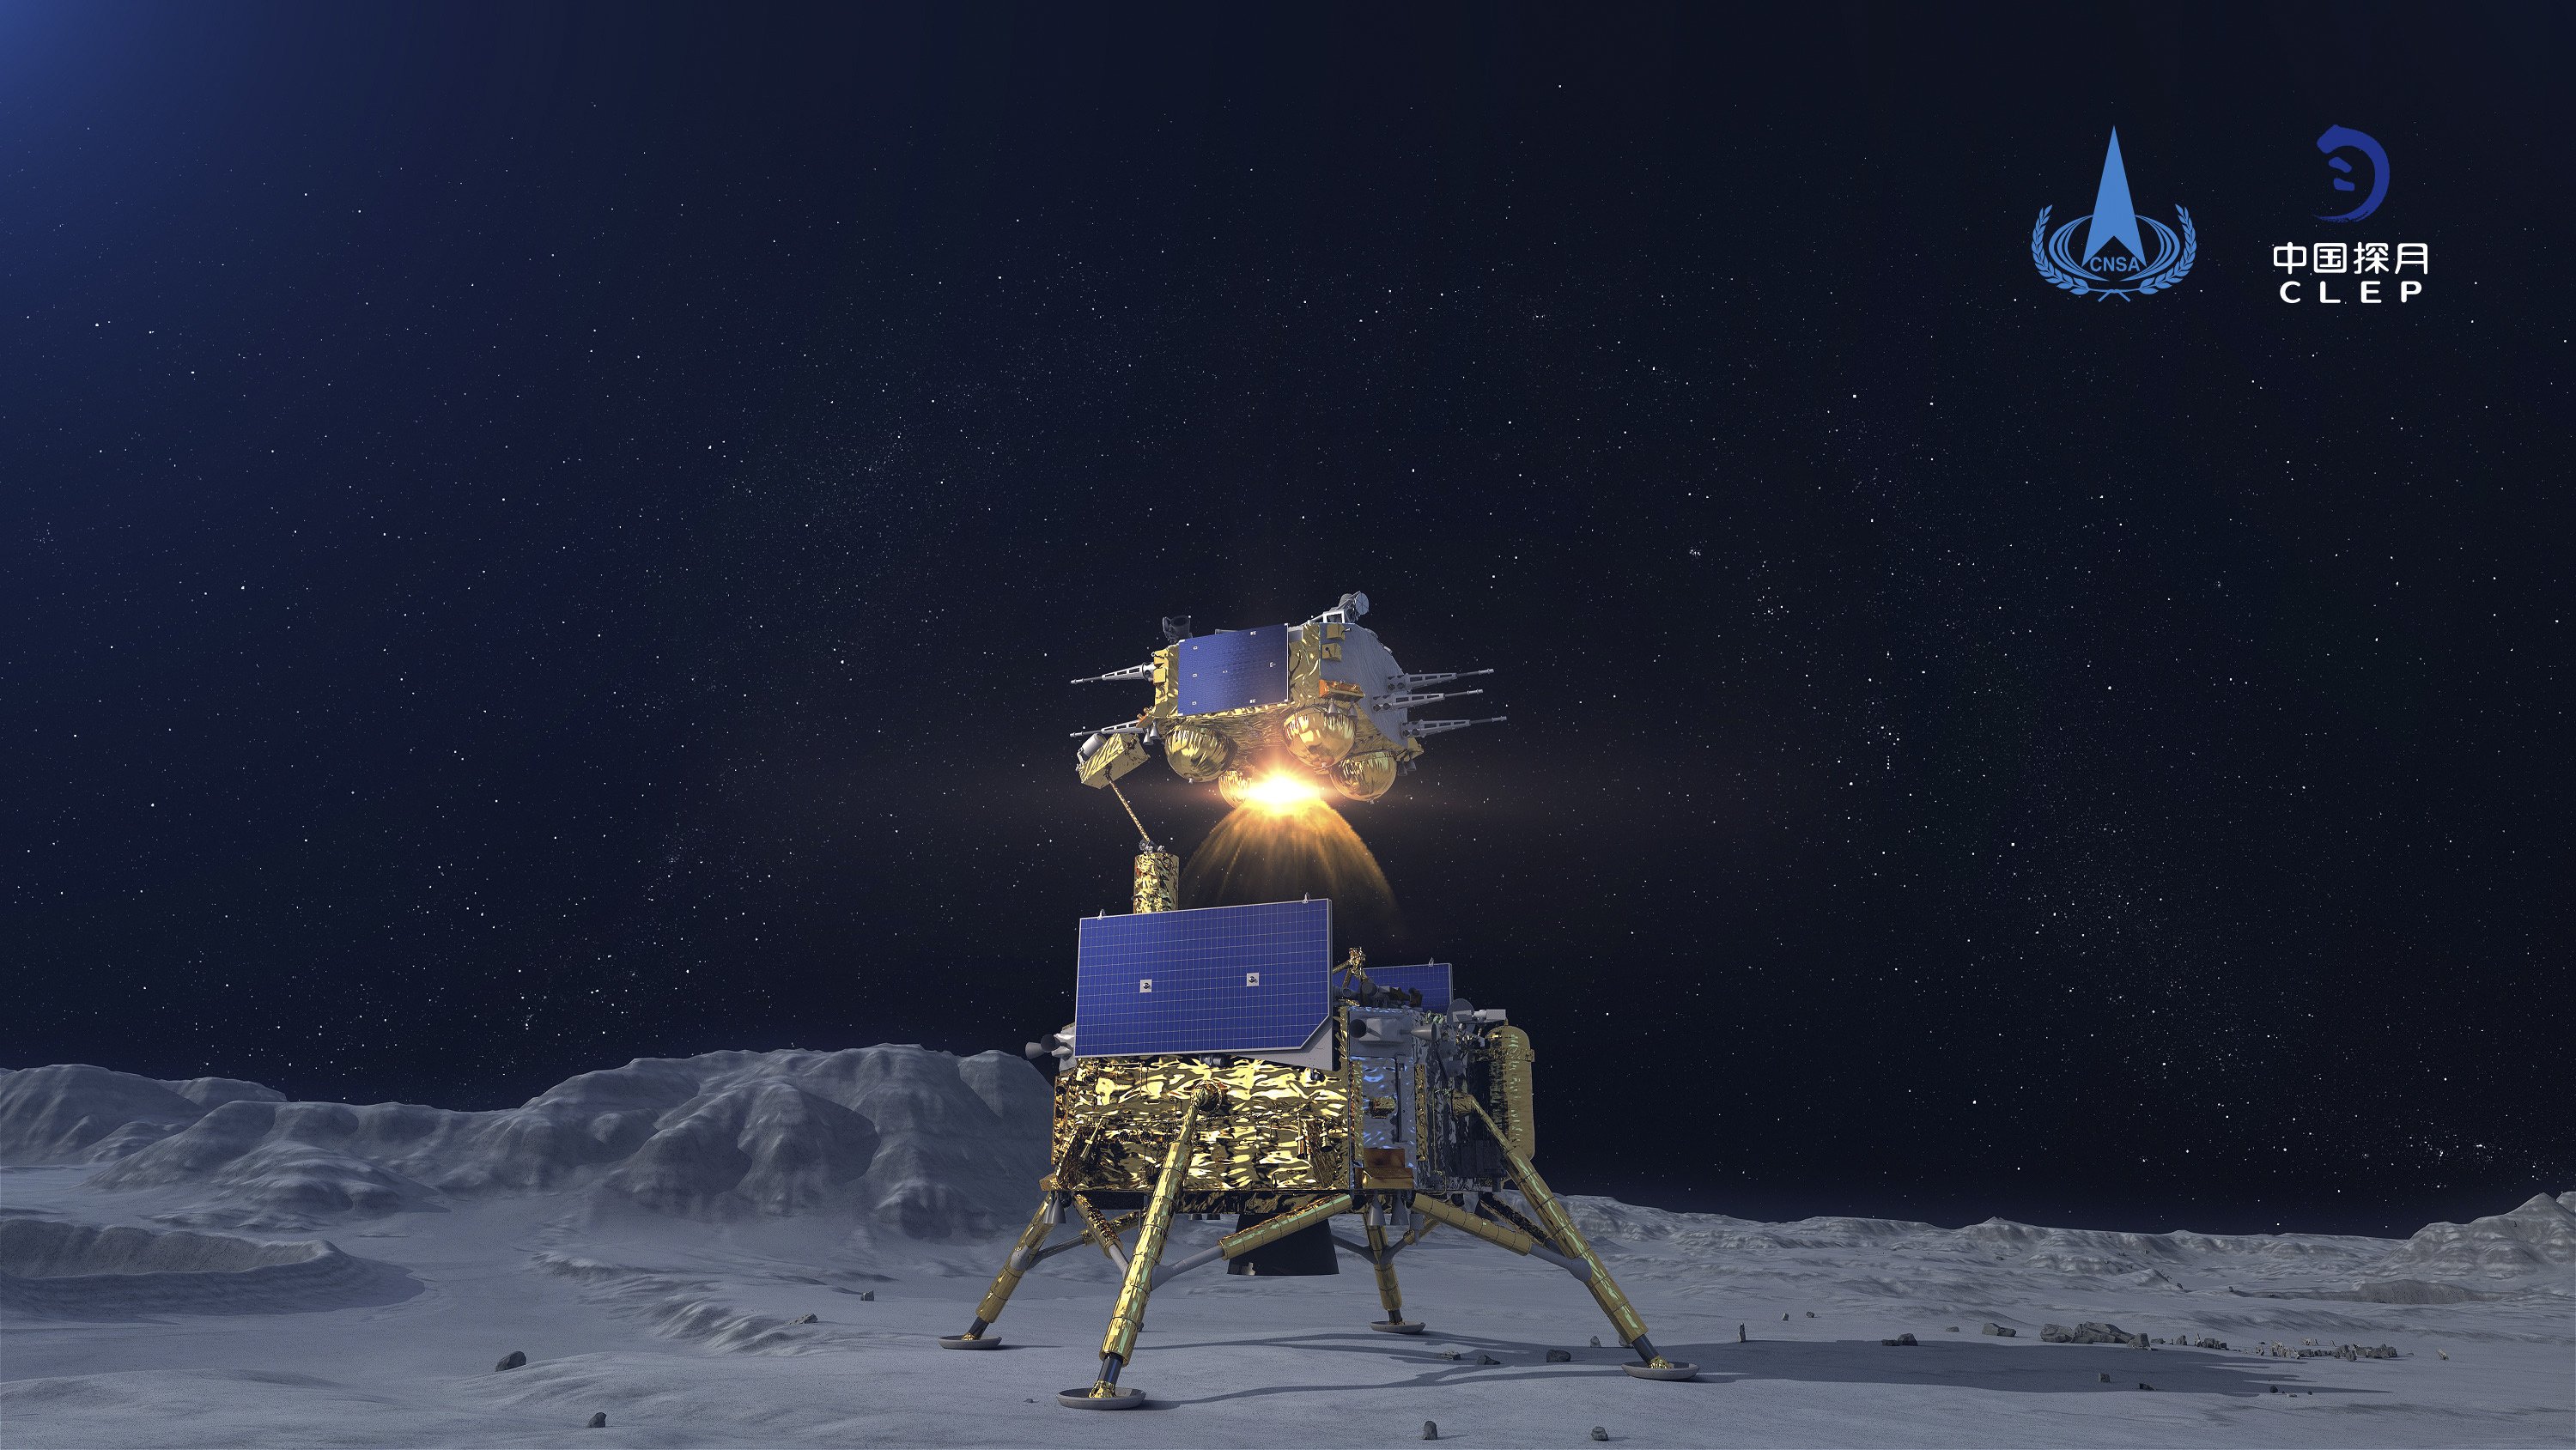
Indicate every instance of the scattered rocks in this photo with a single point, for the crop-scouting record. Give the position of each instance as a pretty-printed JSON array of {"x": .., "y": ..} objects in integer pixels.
[
  {"x": 2000, "y": 1330},
  {"x": 598, "y": 1420},
  {"x": 2205, "y": 1342},
  {"x": 2089, "y": 1332},
  {"x": 870, "y": 1297},
  {"x": 806, "y": 1319},
  {"x": 1600, "y": 1434},
  {"x": 1784, "y": 1318},
  {"x": 1900, "y": 1339},
  {"x": 1486, "y": 1360},
  {"x": 1953, "y": 1329},
  {"x": 2278, "y": 1350},
  {"x": 1430, "y": 1431},
  {"x": 2142, "y": 1384},
  {"x": 513, "y": 1360},
  {"x": 1811, "y": 1313},
  {"x": 1596, "y": 1339},
  {"x": 1559, "y": 1356},
  {"x": 2444, "y": 1353},
  {"x": 1739, "y": 1334},
  {"x": 2106, "y": 1377},
  {"x": 1453, "y": 1352}
]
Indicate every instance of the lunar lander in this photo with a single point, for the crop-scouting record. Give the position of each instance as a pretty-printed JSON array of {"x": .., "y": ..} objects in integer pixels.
[{"x": 1220, "y": 1061}]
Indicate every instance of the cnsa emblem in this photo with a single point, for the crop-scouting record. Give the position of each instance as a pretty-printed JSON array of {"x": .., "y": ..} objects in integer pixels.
[{"x": 2117, "y": 260}]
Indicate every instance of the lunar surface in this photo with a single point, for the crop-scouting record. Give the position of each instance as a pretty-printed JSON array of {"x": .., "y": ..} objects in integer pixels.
[{"x": 206, "y": 1264}]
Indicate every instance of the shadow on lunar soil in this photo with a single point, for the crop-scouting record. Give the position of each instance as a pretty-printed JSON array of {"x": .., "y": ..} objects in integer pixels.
[{"x": 2025, "y": 1370}]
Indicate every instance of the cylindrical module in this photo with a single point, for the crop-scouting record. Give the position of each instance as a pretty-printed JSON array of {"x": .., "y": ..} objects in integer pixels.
[
  {"x": 1158, "y": 879},
  {"x": 1512, "y": 1059}
]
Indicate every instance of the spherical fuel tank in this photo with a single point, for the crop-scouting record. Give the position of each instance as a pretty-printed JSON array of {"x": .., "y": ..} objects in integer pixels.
[
  {"x": 1365, "y": 776},
  {"x": 1234, "y": 787},
  {"x": 1195, "y": 752},
  {"x": 1318, "y": 737}
]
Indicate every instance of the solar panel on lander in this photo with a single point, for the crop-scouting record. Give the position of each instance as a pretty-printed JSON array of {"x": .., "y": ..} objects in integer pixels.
[
  {"x": 1431, "y": 979},
  {"x": 1221, "y": 979}
]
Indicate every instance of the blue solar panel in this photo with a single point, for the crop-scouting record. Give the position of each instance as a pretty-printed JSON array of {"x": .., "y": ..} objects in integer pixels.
[
  {"x": 1232, "y": 669},
  {"x": 1219, "y": 979},
  {"x": 1431, "y": 979}
]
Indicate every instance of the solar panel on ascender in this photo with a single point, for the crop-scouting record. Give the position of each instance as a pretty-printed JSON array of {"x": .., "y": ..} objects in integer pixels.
[
  {"x": 1232, "y": 669},
  {"x": 1431, "y": 979},
  {"x": 1230, "y": 979}
]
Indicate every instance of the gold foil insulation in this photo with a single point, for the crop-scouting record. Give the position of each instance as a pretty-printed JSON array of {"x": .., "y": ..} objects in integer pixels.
[
  {"x": 1279, "y": 1129},
  {"x": 1158, "y": 879}
]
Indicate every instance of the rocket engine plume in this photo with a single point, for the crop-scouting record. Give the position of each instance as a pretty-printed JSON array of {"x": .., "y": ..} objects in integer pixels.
[{"x": 1278, "y": 847}]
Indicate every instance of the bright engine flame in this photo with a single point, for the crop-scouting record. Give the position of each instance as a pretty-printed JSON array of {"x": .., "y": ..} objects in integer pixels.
[
  {"x": 1285, "y": 840},
  {"x": 1281, "y": 794}
]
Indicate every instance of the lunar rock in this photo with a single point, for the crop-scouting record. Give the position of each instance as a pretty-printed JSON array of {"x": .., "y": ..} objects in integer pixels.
[
  {"x": 1559, "y": 1356},
  {"x": 2091, "y": 1333},
  {"x": 1430, "y": 1431},
  {"x": 598, "y": 1420},
  {"x": 515, "y": 1359},
  {"x": 2000, "y": 1331}
]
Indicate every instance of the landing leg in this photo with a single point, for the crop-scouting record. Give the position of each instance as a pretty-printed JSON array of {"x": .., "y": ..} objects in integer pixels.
[
  {"x": 1023, "y": 1254},
  {"x": 1388, "y": 1295},
  {"x": 1559, "y": 1224},
  {"x": 1119, "y": 1345}
]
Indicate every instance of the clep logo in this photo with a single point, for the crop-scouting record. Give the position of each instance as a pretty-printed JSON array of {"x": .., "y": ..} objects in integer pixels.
[
  {"x": 2116, "y": 260},
  {"x": 2336, "y": 272},
  {"x": 2344, "y": 138}
]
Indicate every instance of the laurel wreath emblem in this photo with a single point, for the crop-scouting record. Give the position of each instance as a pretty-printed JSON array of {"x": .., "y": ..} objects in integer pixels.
[
  {"x": 2181, "y": 268},
  {"x": 2039, "y": 257},
  {"x": 2153, "y": 282}
]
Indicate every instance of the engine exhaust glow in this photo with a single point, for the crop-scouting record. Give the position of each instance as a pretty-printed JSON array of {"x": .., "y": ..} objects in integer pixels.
[
  {"x": 1285, "y": 841},
  {"x": 1281, "y": 795}
]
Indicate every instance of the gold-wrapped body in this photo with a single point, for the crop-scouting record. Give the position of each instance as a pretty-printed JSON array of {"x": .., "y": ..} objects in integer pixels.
[{"x": 1281, "y": 1129}]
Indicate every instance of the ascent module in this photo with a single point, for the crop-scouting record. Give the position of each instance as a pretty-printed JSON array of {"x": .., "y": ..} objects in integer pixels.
[{"x": 1323, "y": 700}]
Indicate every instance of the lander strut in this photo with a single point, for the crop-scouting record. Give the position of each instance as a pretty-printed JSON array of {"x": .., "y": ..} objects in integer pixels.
[{"x": 1223, "y": 1061}]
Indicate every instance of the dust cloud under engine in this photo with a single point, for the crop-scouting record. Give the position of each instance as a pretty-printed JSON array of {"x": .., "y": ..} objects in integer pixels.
[{"x": 1221, "y": 1061}]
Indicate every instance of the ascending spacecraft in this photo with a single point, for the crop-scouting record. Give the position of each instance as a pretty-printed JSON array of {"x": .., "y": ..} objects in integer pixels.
[{"x": 1322, "y": 700}]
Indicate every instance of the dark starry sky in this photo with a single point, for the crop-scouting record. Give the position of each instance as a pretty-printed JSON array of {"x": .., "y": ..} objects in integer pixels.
[{"x": 536, "y": 536}]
